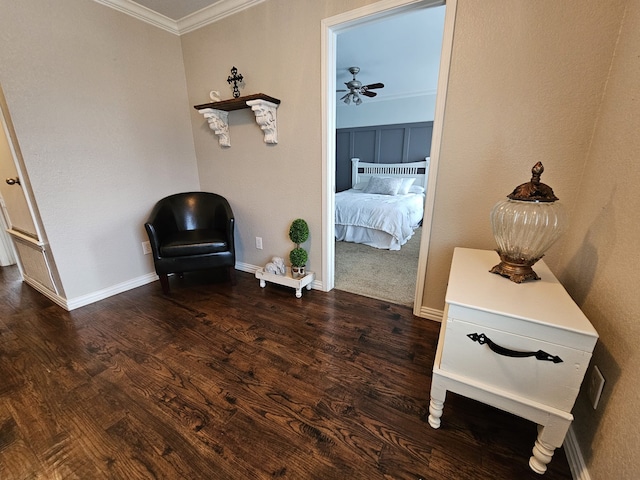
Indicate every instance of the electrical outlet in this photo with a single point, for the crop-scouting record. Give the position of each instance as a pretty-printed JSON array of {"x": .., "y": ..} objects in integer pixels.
[
  {"x": 259, "y": 243},
  {"x": 146, "y": 248},
  {"x": 596, "y": 384}
]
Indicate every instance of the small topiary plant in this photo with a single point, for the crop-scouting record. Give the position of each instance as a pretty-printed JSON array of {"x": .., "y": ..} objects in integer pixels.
[
  {"x": 298, "y": 257},
  {"x": 298, "y": 233}
]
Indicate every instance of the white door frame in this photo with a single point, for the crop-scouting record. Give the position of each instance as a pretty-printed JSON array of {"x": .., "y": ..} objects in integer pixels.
[
  {"x": 330, "y": 29},
  {"x": 37, "y": 268}
]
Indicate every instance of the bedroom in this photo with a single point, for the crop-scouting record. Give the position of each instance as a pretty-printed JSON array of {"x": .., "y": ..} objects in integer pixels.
[
  {"x": 393, "y": 126},
  {"x": 528, "y": 81}
]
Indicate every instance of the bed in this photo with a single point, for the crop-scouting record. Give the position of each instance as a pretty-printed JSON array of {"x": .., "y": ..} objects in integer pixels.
[{"x": 385, "y": 204}]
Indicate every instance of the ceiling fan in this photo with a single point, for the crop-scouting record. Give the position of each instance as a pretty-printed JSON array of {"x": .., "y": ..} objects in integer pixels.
[{"x": 355, "y": 88}]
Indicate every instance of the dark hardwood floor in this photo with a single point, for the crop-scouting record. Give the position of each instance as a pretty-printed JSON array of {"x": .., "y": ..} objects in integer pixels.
[{"x": 222, "y": 382}]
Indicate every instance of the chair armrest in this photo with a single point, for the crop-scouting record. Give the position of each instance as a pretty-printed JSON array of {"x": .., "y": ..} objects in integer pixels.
[
  {"x": 230, "y": 239},
  {"x": 224, "y": 220},
  {"x": 154, "y": 240}
]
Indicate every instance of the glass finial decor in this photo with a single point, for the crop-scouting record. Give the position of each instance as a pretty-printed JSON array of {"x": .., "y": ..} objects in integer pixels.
[{"x": 525, "y": 225}]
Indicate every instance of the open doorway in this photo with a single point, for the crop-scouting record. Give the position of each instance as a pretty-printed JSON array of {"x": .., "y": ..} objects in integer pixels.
[
  {"x": 391, "y": 121},
  {"x": 343, "y": 25}
]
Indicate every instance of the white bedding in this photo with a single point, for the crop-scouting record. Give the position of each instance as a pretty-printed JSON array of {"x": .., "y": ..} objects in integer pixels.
[{"x": 380, "y": 221}]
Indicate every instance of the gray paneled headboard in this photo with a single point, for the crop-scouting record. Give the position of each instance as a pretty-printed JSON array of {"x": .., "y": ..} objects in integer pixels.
[{"x": 401, "y": 143}]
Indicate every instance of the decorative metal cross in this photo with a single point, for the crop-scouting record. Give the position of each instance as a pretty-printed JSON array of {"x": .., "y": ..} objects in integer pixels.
[{"x": 234, "y": 78}]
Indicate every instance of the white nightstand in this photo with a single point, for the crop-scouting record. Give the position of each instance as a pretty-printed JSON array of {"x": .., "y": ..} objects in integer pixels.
[
  {"x": 286, "y": 280},
  {"x": 523, "y": 348}
]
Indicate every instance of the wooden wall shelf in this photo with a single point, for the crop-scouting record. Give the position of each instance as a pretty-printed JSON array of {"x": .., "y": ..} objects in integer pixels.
[
  {"x": 264, "y": 107},
  {"x": 237, "y": 103}
]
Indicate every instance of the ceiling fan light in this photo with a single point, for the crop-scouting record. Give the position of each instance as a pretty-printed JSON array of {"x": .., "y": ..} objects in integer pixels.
[{"x": 355, "y": 89}]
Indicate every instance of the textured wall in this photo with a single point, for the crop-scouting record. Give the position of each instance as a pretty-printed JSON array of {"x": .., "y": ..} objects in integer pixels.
[
  {"x": 98, "y": 100},
  {"x": 600, "y": 265},
  {"x": 276, "y": 46},
  {"x": 525, "y": 85}
]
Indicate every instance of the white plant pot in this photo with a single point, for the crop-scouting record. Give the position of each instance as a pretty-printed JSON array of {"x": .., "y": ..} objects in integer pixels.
[{"x": 298, "y": 272}]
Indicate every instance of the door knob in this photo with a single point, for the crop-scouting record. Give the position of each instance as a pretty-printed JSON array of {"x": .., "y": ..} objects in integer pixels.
[{"x": 13, "y": 181}]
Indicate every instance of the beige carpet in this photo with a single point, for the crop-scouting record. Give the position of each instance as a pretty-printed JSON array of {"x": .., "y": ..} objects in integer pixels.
[{"x": 382, "y": 274}]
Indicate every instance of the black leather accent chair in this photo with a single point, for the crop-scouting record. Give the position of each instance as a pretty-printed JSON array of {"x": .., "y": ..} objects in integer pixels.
[{"x": 191, "y": 231}]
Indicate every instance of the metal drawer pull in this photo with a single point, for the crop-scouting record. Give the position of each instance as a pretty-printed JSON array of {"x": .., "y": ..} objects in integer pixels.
[{"x": 540, "y": 355}]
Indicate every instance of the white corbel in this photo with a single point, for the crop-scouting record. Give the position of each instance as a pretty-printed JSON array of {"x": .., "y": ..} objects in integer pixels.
[
  {"x": 265, "y": 113},
  {"x": 219, "y": 123}
]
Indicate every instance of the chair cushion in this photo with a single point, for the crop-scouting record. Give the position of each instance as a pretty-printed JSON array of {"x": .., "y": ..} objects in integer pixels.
[{"x": 193, "y": 242}]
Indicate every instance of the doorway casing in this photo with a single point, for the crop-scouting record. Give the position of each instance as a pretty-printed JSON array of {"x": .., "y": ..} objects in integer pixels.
[
  {"x": 331, "y": 27},
  {"x": 30, "y": 245}
]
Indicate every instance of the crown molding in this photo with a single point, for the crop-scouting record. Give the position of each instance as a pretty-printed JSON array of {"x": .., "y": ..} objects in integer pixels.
[
  {"x": 213, "y": 13},
  {"x": 142, "y": 13},
  {"x": 196, "y": 20}
]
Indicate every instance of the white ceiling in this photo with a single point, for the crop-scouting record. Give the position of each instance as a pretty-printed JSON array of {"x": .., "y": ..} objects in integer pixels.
[
  {"x": 402, "y": 51},
  {"x": 179, "y": 16},
  {"x": 177, "y": 9}
]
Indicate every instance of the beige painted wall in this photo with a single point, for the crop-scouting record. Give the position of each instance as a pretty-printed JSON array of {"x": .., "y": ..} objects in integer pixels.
[
  {"x": 98, "y": 101},
  {"x": 276, "y": 46},
  {"x": 600, "y": 262},
  {"x": 525, "y": 85}
]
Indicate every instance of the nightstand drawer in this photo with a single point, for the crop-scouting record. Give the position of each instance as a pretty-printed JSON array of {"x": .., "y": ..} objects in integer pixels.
[{"x": 543, "y": 381}]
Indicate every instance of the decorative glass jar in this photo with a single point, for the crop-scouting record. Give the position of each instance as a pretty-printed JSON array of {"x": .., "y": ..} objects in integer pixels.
[{"x": 525, "y": 225}]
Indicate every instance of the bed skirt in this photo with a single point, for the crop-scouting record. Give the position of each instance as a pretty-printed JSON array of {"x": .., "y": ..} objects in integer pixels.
[{"x": 368, "y": 236}]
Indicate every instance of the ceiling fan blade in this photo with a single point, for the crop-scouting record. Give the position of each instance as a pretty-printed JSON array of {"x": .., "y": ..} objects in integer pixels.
[
  {"x": 343, "y": 90},
  {"x": 374, "y": 85},
  {"x": 368, "y": 94},
  {"x": 343, "y": 98}
]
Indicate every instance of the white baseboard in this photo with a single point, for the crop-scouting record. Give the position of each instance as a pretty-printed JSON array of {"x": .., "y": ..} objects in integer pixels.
[
  {"x": 431, "y": 314},
  {"x": 54, "y": 297},
  {"x": 98, "y": 295},
  {"x": 574, "y": 457},
  {"x": 108, "y": 292},
  {"x": 246, "y": 267}
]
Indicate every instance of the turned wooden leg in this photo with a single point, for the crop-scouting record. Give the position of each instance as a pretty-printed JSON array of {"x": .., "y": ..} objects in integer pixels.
[
  {"x": 541, "y": 457},
  {"x": 164, "y": 283},
  {"x": 550, "y": 437},
  {"x": 435, "y": 412},
  {"x": 232, "y": 276},
  {"x": 542, "y": 453},
  {"x": 436, "y": 405}
]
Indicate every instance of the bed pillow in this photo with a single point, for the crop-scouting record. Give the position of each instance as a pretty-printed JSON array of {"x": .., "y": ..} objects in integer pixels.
[
  {"x": 416, "y": 189},
  {"x": 383, "y": 185},
  {"x": 406, "y": 183},
  {"x": 360, "y": 185}
]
